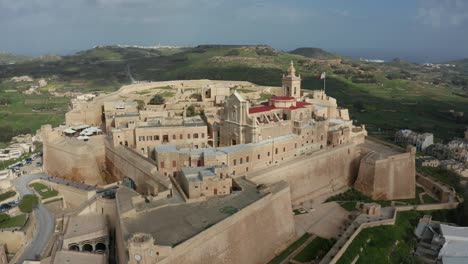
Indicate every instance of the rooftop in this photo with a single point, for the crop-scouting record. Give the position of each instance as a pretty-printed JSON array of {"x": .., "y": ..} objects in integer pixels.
[
  {"x": 182, "y": 221},
  {"x": 85, "y": 224}
]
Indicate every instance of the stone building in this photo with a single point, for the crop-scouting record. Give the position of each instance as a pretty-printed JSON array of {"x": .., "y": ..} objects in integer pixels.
[
  {"x": 140, "y": 135},
  {"x": 408, "y": 137},
  {"x": 87, "y": 233},
  {"x": 205, "y": 181}
]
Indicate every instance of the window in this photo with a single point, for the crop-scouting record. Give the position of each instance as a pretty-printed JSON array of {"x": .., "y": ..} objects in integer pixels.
[
  {"x": 174, "y": 164},
  {"x": 235, "y": 162},
  {"x": 141, "y": 138},
  {"x": 181, "y": 136},
  {"x": 276, "y": 150},
  {"x": 195, "y": 135},
  {"x": 247, "y": 159},
  {"x": 156, "y": 137},
  {"x": 202, "y": 135},
  {"x": 268, "y": 153},
  {"x": 247, "y": 169},
  {"x": 174, "y": 137},
  {"x": 161, "y": 166},
  {"x": 258, "y": 156},
  {"x": 241, "y": 160},
  {"x": 149, "y": 138},
  {"x": 196, "y": 186},
  {"x": 295, "y": 145},
  {"x": 206, "y": 188},
  {"x": 284, "y": 149},
  {"x": 188, "y": 136}
]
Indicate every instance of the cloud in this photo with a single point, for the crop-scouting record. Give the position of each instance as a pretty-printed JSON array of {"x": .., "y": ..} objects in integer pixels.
[{"x": 442, "y": 13}]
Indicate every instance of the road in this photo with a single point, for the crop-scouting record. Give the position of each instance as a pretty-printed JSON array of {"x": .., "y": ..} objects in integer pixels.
[{"x": 45, "y": 221}]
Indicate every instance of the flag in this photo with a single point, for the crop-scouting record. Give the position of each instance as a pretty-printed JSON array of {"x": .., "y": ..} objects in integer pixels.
[{"x": 321, "y": 76}]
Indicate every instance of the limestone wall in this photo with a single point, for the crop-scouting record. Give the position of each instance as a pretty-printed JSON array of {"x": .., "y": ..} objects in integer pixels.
[
  {"x": 388, "y": 178},
  {"x": 313, "y": 175},
  {"x": 242, "y": 237},
  {"x": 75, "y": 160},
  {"x": 15, "y": 240},
  {"x": 122, "y": 162}
]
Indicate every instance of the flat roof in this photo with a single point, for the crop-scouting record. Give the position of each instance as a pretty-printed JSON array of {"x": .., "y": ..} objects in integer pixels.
[
  {"x": 171, "y": 225},
  {"x": 85, "y": 224},
  {"x": 381, "y": 150}
]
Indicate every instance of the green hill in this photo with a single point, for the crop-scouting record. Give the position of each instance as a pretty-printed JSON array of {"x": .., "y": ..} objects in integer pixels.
[
  {"x": 314, "y": 53},
  {"x": 384, "y": 96},
  {"x": 8, "y": 58}
]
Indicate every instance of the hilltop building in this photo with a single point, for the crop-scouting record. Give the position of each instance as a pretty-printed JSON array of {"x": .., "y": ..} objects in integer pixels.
[
  {"x": 192, "y": 185},
  {"x": 408, "y": 137}
]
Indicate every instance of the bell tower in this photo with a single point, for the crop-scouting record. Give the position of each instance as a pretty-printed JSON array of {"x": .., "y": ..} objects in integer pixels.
[{"x": 292, "y": 83}]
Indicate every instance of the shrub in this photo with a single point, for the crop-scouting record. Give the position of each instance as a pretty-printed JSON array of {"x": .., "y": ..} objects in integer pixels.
[{"x": 157, "y": 100}]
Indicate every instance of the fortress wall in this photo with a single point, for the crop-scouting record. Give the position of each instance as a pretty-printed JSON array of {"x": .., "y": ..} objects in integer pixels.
[
  {"x": 442, "y": 192},
  {"x": 122, "y": 162},
  {"x": 15, "y": 240},
  {"x": 241, "y": 237},
  {"x": 389, "y": 178},
  {"x": 73, "y": 197},
  {"x": 311, "y": 176},
  {"x": 77, "y": 161}
]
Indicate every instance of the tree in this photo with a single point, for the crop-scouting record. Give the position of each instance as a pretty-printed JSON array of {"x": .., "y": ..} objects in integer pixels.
[
  {"x": 28, "y": 202},
  {"x": 157, "y": 100},
  {"x": 190, "y": 111}
]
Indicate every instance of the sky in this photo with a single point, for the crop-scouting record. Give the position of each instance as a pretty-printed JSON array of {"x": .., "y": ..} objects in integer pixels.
[{"x": 418, "y": 30}]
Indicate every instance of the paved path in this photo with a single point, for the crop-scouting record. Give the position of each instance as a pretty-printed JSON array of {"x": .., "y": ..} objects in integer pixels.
[{"x": 45, "y": 222}]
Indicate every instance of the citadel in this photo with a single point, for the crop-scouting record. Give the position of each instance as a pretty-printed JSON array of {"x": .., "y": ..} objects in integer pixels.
[{"x": 211, "y": 175}]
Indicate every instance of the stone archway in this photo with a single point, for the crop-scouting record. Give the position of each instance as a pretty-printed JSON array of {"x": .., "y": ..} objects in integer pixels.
[
  {"x": 87, "y": 248},
  {"x": 129, "y": 182},
  {"x": 101, "y": 248},
  {"x": 74, "y": 247}
]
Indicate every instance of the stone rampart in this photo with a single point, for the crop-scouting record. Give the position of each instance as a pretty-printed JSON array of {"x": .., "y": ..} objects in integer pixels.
[
  {"x": 241, "y": 237},
  {"x": 392, "y": 177},
  {"x": 123, "y": 162},
  {"x": 75, "y": 160},
  {"x": 311, "y": 176}
]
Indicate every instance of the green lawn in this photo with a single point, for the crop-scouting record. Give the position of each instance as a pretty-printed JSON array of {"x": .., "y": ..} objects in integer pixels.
[
  {"x": 290, "y": 249},
  {"x": 349, "y": 198},
  {"x": 391, "y": 244},
  {"x": 7, "y": 195},
  {"x": 316, "y": 249},
  {"x": 16, "y": 221},
  {"x": 43, "y": 190}
]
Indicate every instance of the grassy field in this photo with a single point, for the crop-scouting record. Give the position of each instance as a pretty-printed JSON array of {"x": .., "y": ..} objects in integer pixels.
[
  {"x": 390, "y": 244},
  {"x": 43, "y": 190},
  {"x": 278, "y": 259},
  {"x": 15, "y": 221},
  {"x": 316, "y": 249},
  {"x": 7, "y": 195}
]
